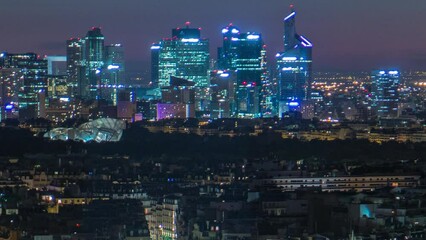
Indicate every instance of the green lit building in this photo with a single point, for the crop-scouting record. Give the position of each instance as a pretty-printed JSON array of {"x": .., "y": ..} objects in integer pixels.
[{"x": 184, "y": 55}]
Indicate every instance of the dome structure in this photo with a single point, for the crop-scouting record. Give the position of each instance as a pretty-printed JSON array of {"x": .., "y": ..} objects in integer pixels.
[{"x": 100, "y": 130}]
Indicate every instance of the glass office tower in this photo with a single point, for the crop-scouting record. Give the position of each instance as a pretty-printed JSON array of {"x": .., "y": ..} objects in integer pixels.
[
  {"x": 294, "y": 67},
  {"x": 75, "y": 65},
  {"x": 94, "y": 61},
  {"x": 184, "y": 55},
  {"x": 242, "y": 53},
  {"x": 384, "y": 92},
  {"x": 34, "y": 82},
  {"x": 113, "y": 74}
]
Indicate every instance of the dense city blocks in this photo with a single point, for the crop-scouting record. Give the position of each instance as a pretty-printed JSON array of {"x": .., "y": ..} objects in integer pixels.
[{"x": 235, "y": 126}]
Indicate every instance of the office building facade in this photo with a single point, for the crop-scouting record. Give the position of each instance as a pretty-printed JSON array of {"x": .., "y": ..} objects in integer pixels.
[
  {"x": 113, "y": 73},
  {"x": 75, "y": 65},
  {"x": 184, "y": 55},
  {"x": 384, "y": 93},
  {"x": 242, "y": 53},
  {"x": 294, "y": 67},
  {"x": 34, "y": 81},
  {"x": 93, "y": 61}
]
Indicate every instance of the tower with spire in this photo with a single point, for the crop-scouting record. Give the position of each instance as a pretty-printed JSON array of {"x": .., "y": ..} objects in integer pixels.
[{"x": 294, "y": 67}]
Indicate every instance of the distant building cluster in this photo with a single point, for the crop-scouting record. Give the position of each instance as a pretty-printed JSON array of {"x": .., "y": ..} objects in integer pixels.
[
  {"x": 90, "y": 81},
  {"x": 185, "y": 82}
]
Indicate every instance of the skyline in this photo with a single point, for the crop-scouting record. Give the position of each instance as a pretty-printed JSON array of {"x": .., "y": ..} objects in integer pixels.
[{"x": 363, "y": 43}]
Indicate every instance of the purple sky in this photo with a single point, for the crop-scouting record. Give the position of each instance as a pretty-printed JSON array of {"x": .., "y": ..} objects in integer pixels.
[{"x": 347, "y": 34}]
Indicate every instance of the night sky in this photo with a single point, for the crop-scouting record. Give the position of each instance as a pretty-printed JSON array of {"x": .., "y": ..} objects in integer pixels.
[{"x": 347, "y": 34}]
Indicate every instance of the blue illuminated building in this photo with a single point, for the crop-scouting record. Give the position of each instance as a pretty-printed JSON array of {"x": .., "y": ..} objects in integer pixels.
[
  {"x": 242, "y": 53},
  {"x": 33, "y": 85},
  {"x": 294, "y": 67},
  {"x": 384, "y": 93}
]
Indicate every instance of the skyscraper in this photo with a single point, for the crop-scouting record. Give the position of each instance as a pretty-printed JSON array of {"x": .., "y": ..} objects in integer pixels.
[
  {"x": 242, "y": 53},
  {"x": 184, "y": 55},
  {"x": 155, "y": 61},
  {"x": 34, "y": 75},
  {"x": 94, "y": 61},
  {"x": 10, "y": 85},
  {"x": 294, "y": 67},
  {"x": 114, "y": 57},
  {"x": 75, "y": 65},
  {"x": 227, "y": 54},
  {"x": 268, "y": 94},
  {"x": 384, "y": 93},
  {"x": 223, "y": 93},
  {"x": 113, "y": 74}
]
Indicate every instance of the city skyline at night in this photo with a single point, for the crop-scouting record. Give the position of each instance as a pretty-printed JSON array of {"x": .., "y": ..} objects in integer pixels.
[
  {"x": 212, "y": 120},
  {"x": 339, "y": 29}
]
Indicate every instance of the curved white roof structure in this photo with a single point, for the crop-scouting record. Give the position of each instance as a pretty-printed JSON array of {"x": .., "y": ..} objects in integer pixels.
[{"x": 100, "y": 130}]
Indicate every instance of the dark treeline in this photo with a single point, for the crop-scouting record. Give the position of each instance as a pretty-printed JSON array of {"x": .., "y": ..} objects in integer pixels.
[{"x": 138, "y": 143}]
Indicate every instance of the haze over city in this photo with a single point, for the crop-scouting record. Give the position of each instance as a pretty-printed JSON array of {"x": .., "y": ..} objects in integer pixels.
[{"x": 349, "y": 35}]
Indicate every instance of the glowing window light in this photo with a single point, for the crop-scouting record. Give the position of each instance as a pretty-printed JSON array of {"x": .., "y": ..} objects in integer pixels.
[
  {"x": 253, "y": 37},
  {"x": 111, "y": 67},
  {"x": 235, "y": 31},
  {"x": 293, "y": 104},
  {"x": 190, "y": 40},
  {"x": 289, "y": 16},
  {"x": 289, "y": 58},
  {"x": 305, "y": 42}
]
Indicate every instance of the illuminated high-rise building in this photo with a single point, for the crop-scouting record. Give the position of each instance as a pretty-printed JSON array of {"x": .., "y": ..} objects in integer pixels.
[
  {"x": 113, "y": 73},
  {"x": 227, "y": 54},
  {"x": 242, "y": 53},
  {"x": 184, "y": 55},
  {"x": 114, "y": 58},
  {"x": 10, "y": 85},
  {"x": 268, "y": 96},
  {"x": 294, "y": 67},
  {"x": 384, "y": 92},
  {"x": 75, "y": 65},
  {"x": 155, "y": 57},
  {"x": 94, "y": 61},
  {"x": 223, "y": 93},
  {"x": 34, "y": 81}
]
